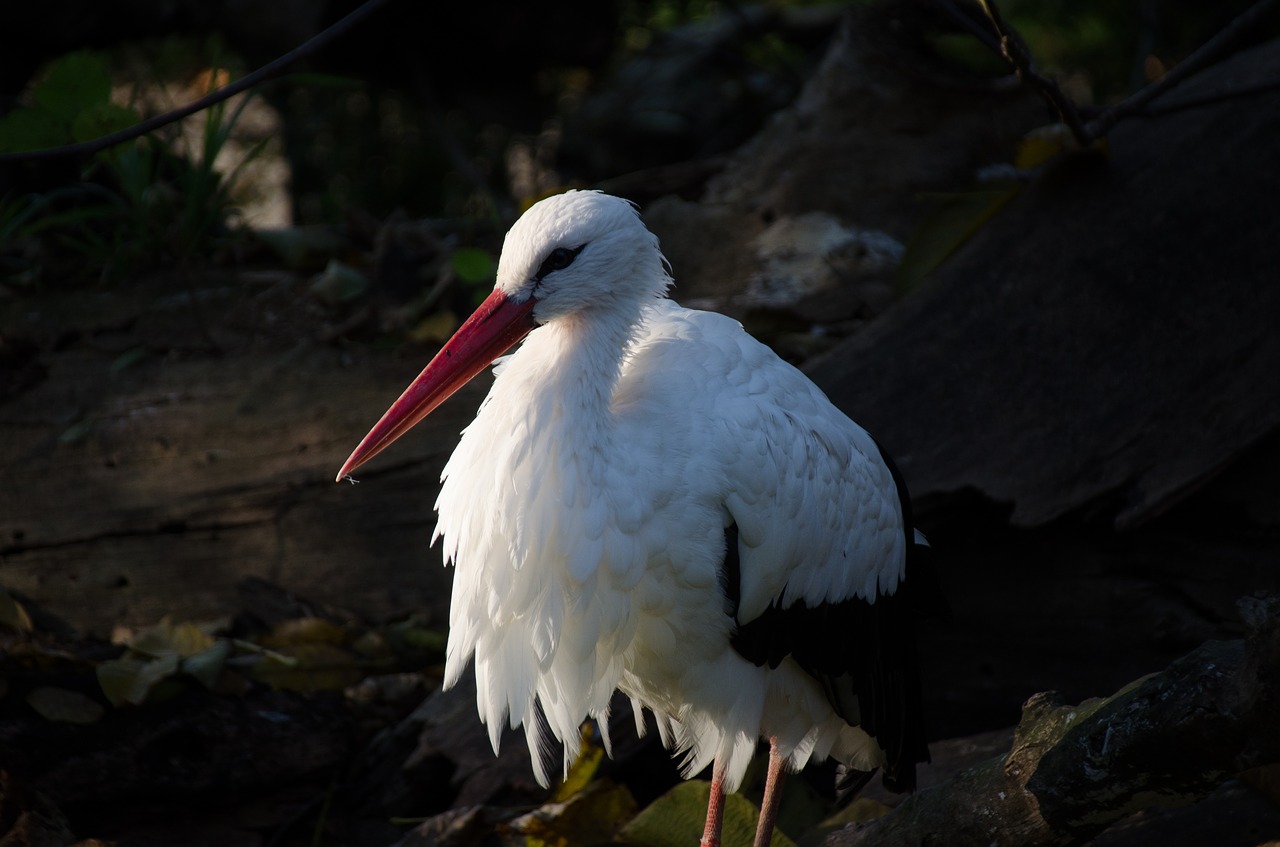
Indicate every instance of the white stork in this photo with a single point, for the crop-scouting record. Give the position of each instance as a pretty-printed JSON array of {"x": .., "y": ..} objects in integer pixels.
[{"x": 650, "y": 500}]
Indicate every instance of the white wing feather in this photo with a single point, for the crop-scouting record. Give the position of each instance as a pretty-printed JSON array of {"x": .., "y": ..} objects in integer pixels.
[{"x": 817, "y": 509}]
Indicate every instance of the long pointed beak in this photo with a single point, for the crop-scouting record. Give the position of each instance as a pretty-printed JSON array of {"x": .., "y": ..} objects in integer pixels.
[{"x": 498, "y": 323}]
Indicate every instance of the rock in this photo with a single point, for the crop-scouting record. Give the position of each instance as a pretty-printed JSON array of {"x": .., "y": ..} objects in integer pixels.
[
  {"x": 878, "y": 124},
  {"x": 1109, "y": 338}
]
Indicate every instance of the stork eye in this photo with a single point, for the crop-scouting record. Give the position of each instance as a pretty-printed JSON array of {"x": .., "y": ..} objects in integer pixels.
[{"x": 557, "y": 260}]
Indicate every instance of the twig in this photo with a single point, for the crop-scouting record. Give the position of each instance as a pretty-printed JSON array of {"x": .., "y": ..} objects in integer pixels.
[
  {"x": 1205, "y": 55},
  {"x": 262, "y": 74},
  {"x": 1184, "y": 104},
  {"x": 1015, "y": 52}
]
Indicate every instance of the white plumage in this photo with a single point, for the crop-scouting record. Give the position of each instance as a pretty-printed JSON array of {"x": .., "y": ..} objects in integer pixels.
[{"x": 586, "y": 507}]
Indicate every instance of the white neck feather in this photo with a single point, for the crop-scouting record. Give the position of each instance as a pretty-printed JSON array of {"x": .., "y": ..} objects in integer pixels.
[{"x": 567, "y": 371}]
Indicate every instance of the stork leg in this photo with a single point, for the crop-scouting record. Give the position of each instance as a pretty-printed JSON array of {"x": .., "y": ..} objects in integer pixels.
[
  {"x": 772, "y": 796},
  {"x": 715, "y": 808}
]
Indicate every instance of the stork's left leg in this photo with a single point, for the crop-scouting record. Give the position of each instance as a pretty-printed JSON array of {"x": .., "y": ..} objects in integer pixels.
[{"x": 772, "y": 796}]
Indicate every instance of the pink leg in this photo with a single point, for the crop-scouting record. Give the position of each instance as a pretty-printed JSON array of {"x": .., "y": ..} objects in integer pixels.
[
  {"x": 772, "y": 795},
  {"x": 715, "y": 808}
]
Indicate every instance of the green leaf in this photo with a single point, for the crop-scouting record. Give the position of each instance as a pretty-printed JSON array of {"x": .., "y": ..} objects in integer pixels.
[
  {"x": 473, "y": 265},
  {"x": 677, "y": 818},
  {"x": 77, "y": 432},
  {"x": 415, "y": 642},
  {"x": 372, "y": 645},
  {"x": 312, "y": 630},
  {"x": 435, "y": 327},
  {"x": 309, "y": 669},
  {"x": 134, "y": 167},
  {"x": 167, "y": 639},
  {"x": 72, "y": 84},
  {"x": 1051, "y": 144},
  {"x": 135, "y": 680},
  {"x": 30, "y": 129},
  {"x": 592, "y": 816},
  {"x": 101, "y": 119},
  {"x": 970, "y": 54},
  {"x": 339, "y": 283},
  {"x": 583, "y": 769},
  {"x": 954, "y": 221},
  {"x": 206, "y": 666},
  {"x": 64, "y": 706},
  {"x": 13, "y": 615},
  {"x": 128, "y": 359}
]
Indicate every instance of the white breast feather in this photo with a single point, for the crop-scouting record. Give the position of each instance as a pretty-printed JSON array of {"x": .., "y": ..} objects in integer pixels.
[{"x": 583, "y": 570}]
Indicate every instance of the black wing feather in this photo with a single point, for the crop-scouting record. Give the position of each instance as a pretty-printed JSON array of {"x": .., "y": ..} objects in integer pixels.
[{"x": 862, "y": 653}]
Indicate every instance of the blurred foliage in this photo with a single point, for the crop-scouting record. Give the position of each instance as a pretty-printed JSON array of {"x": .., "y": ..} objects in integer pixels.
[
  {"x": 70, "y": 102},
  {"x": 365, "y": 144},
  {"x": 474, "y": 266},
  {"x": 1101, "y": 51},
  {"x": 131, "y": 207},
  {"x": 158, "y": 659},
  {"x": 153, "y": 664}
]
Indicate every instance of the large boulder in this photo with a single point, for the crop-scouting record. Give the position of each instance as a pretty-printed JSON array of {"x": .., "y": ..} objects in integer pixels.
[{"x": 1109, "y": 339}]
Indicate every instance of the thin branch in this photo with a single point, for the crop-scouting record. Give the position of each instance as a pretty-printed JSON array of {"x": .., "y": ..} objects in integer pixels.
[
  {"x": 262, "y": 74},
  {"x": 1208, "y": 53},
  {"x": 1015, "y": 52},
  {"x": 1184, "y": 104}
]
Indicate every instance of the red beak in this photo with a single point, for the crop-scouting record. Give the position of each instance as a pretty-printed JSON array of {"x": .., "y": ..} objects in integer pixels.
[{"x": 483, "y": 337}]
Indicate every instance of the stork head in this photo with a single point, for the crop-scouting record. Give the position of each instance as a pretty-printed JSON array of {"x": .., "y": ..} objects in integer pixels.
[{"x": 579, "y": 253}]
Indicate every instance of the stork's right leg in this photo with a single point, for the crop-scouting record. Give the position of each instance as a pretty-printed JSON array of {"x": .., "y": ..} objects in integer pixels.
[{"x": 715, "y": 807}]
